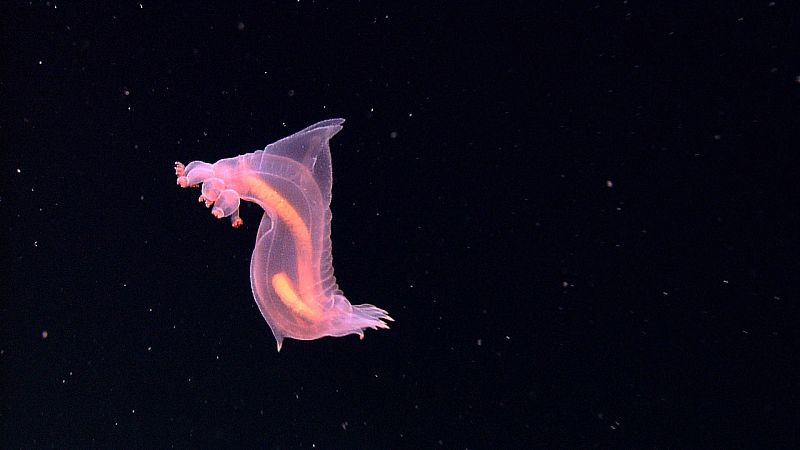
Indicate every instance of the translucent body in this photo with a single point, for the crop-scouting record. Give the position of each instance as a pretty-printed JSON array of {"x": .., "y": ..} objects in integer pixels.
[{"x": 291, "y": 271}]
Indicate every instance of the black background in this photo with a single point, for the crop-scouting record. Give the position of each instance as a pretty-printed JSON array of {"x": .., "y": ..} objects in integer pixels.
[{"x": 582, "y": 216}]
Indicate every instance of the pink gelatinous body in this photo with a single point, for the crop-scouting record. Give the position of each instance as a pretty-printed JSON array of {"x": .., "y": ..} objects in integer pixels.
[{"x": 291, "y": 271}]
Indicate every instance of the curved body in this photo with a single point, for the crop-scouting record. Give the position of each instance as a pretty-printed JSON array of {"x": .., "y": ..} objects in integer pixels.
[{"x": 291, "y": 271}]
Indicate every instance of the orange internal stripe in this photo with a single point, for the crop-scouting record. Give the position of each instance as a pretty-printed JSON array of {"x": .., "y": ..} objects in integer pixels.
[
  {"x": 302, "y": 243},
  {"x": 283, "y": 286}
]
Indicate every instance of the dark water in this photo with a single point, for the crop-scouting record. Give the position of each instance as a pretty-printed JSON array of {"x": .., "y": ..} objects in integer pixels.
[{"x": 582, "y": 218}]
